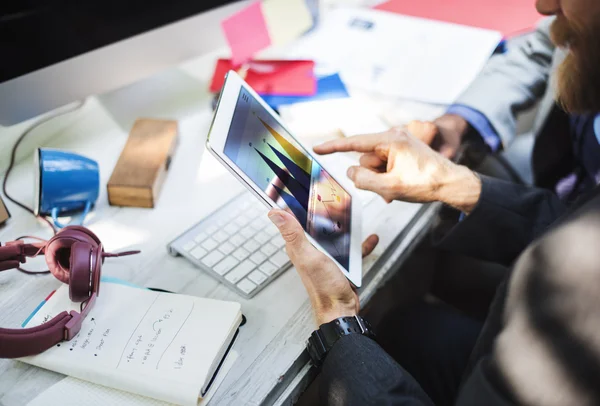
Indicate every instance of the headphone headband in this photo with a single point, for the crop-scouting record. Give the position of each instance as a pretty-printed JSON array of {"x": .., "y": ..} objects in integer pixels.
[{"x": 75, "y": 257}]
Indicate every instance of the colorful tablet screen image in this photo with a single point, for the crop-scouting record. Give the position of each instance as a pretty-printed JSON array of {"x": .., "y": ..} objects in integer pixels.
[{"x": 279, "y": 166}]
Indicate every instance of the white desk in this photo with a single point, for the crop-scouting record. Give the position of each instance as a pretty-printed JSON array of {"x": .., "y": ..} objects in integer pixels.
[{"x": 272, "y": 367}]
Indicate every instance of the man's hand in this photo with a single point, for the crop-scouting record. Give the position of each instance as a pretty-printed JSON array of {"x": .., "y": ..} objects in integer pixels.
[
  {"x": 444, "y": 135},
  {"x": 330, "y": 293},
  {"x": 398, "y": 166}
]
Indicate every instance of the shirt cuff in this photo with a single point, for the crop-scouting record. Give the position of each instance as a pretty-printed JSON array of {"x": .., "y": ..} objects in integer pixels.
[{"x": 479, "y": 122}]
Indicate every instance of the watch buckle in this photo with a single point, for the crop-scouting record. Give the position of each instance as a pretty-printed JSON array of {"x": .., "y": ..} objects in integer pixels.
[{"x": 363, "y": 328}]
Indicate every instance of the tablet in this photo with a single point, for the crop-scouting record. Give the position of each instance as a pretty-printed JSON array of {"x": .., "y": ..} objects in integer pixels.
[{"x": 250, "y": 140}]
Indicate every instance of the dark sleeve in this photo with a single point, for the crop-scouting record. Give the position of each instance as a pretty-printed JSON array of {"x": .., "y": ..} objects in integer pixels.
[
  {"x": 547, "y": 349},
  {"x": 506, "y": 219},
  {"x": 357, "y": 371}
]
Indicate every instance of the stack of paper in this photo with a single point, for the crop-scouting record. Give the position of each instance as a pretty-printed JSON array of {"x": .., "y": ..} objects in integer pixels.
[{"x": 396, "y": 55}]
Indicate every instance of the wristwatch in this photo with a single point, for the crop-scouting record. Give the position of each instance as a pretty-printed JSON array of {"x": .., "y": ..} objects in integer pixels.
[{"x": 322, "y": 340}]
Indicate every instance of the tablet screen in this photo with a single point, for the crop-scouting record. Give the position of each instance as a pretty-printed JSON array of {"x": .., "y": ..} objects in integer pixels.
[{"x": 285, "y": 171}]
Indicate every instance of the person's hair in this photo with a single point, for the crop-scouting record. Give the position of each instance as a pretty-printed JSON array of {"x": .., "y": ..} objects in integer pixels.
[{"x": 578, "y": 77}]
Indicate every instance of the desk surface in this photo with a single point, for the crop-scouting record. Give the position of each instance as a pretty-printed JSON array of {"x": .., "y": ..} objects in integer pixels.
[{"x": 272, "y": 366}]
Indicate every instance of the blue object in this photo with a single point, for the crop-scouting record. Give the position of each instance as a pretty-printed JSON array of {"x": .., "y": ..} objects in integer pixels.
[
  {"x": 65, "y": 183},
  {"x": 328, "y": 87},
  {"x": 479, "y": 122},
  {"x": 104, "y": 279}
]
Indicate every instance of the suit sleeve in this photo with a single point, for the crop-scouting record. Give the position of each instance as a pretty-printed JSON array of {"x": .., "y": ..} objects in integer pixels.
[
  {"x": 357, "y": 371},
  {"x": 512, "y": 81},
  {"x": 506, "y": 219},
  {"x": 548, "y": 342}
]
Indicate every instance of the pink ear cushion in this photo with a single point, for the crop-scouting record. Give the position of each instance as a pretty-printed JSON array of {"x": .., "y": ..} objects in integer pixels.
[
  {"x": 80, "y": 282},
  {"x": 58, "y": 250}
]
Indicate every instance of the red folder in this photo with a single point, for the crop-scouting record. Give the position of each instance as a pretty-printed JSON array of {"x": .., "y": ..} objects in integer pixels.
[
  {"x": 507, "y": 16},
  {"x": 283, "y": 78}
]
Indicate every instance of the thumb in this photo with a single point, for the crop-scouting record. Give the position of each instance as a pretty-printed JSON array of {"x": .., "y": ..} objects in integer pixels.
[{"x": 290, "y": 229}]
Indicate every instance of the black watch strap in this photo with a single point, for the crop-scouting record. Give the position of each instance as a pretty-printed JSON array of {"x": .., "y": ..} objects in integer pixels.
[{"x": 322, "y": 340}]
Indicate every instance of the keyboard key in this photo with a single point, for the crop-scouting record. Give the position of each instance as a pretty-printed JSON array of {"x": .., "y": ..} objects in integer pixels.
[
  {"x": 212, "y": 259},
  {"x": 241, "y": 221},
  {"x": 269, "y": 249},
  {"x": 254, "y": 212},
  {"x": 278, "y": 241},
  {"x": 189, "y": 245},
  {"x": 241, "y": 254},
  {"x": 212, "y": 229},
  {"x": 262, "y": 237},
  {"x": 258, "y": 224},
  {"x": 209, "y": 244},
  {"x": 257, "y": 277},
  {"x": 247, "y": 232},
  {"x": 230, "y": 229},
  {"x": 268, "y": 268},
  {"x": 251, "y": 245},
  {"x": 200, "y": 237},
  {"x": 220, "y": 236},
  {"x": 280, "y": 258},
  {"x": 246, "y": 286},
  {"x": 271, "y": 230},
  {"x": 227, "y": 248},
  {"x": 237, "y": 240},
  {"x": 198, "y": 252},
  {"x": 258, "y": 258},
  {"x": 232, "y": 213},
  {"x": 240, "y": 271},
  {"x": 225, "y": 265}
]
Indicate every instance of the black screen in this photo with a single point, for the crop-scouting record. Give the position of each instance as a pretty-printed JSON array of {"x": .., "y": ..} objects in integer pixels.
[{"x": 38, "y": 33}]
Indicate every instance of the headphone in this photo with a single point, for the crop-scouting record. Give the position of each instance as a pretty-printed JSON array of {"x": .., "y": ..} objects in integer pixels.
[{"x": 74, "y": 256}]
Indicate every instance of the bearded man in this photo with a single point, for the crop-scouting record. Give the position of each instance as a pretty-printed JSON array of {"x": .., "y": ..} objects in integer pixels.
[
  {"x": 555, "y": 67},
  {"x": 539, "y": 345}
]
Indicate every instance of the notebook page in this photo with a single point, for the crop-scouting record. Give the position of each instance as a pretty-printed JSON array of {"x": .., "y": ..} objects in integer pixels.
[
  {"x": 154, "y": 344},
  {"x": 75, "y": 392}
]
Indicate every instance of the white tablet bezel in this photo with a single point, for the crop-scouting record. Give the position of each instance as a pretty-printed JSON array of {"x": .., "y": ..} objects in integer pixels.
[{"x": 216, "y": 144}]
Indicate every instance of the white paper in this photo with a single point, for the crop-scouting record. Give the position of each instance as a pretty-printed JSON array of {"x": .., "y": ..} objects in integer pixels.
[
  {"x": 397, "y": 55},
  {"x": 75, "y": 392},
  {"x": 160, "y": 345},
  {"x": 286, "y": 19},
  {"x": 349, "y": 116}
]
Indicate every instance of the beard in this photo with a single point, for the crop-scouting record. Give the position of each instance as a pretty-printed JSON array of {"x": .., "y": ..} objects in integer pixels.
[{"x": 578, "y": 77}]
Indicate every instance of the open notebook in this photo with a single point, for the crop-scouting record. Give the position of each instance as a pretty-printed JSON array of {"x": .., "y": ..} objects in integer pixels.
[{"x": 160, "y": 345}]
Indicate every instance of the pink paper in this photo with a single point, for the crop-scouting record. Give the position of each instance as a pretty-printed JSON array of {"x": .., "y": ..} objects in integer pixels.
[
  {"x": 507, "y": 16},
  {"x": 246, "y": 32}
]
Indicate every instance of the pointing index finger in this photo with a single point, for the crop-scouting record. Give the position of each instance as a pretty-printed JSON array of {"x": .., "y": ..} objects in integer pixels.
[{"x": 358, "y": 143}]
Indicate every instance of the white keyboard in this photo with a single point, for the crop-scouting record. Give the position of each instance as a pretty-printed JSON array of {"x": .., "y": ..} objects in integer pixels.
[{"x": 237, "y": 244}]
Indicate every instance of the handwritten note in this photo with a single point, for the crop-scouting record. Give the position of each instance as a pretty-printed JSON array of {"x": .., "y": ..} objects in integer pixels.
[{"x": 155, "y": 344}]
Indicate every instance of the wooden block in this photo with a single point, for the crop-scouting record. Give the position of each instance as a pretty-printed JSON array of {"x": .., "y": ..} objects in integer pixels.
[
  {"x": 4, "y": 214},
  {"x": 142, "y": 167}
]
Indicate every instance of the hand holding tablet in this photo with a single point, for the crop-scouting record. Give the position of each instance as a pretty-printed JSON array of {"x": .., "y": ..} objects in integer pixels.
[{"x": 248, "y": 138}]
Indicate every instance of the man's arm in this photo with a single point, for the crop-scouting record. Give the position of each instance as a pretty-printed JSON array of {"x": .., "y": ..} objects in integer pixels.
[
  {"x": 506, "y": 219},
  {"x": 547, "y": 351},
  {"x": 357, "y": 371},
  {"x": 510, "y": 83},
  {"x": 502, "y": 218}
]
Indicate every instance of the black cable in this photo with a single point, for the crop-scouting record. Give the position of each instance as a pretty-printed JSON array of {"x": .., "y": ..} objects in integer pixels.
[{"x": 11, "y": 164}]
